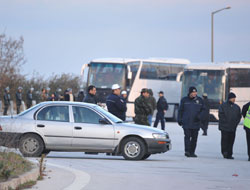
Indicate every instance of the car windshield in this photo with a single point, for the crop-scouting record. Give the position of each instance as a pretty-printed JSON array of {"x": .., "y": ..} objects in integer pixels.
[
  {"x": 103, "y": 75},
  {"x": 206, "y": 81},
  {"x": 28, "y": 110},
  {"x": 109, "y": 115}
]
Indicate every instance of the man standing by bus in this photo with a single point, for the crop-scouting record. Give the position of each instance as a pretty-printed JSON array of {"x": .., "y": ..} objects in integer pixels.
[
  {"x": 115, "y": 104},
  {"x": 229, "y": 118},
  {"x": 190, "y": 117},
  {"x": 205, "y": 121},
  {"x": 142, "y": 109},
  {"x": 246, "y": 115},
  {"x": 162, "y": 107}
]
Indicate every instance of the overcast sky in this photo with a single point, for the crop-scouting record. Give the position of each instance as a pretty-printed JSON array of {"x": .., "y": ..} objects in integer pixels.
[{"x": 61, "y": 35}]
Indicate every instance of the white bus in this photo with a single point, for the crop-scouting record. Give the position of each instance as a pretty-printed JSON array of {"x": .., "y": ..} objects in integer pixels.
[
  {"x": 218, "y": 80},
  {"x": 133, "y": 75}
]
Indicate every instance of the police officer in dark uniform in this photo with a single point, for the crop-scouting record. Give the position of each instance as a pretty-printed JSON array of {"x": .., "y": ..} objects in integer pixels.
[
  {"x": 90, "y": 97},
  {"x": 6, "y": 99},
  {"x": 190, "y": 117},
  {"x": 29, "y": 98},
  {"x": 19, "y": 99},
  {"x": 142, "y": 109},
  {"x": 162, "y": 107},
  {"x": 115, "y": 104}
]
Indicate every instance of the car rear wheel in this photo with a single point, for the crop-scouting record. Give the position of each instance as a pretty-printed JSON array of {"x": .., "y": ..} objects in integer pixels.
[
  {"x": 133, "y": 148},
  {"x": 31, "y": 145}
]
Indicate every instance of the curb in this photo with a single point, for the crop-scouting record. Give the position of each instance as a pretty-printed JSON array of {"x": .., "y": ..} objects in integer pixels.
[{"x": 13, "y": 183}]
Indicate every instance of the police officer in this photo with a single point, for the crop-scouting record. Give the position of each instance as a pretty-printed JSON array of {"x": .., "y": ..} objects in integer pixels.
[
  {"x": 205, "y": 121},
  {"x": 80, "y": 95},
  {"x": 19, "y": 99},
  {"x": 162, "y": 107},
  {"x": 6, "y": 99},
  {"x": 29, "y": 98},
  {"x": 246, "y": 115},
  {"x": 189, "y": 117},
  {"x": 229, "y": 118},
  {"x": 142, "y": 109},
  {"x": 90, "y": 97},
  {"x": 115, "y": 104}
]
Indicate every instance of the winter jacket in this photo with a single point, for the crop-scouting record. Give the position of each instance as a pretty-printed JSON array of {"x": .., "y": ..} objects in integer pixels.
[
  {"x": 90, "y": 98},
  {"x": 190, "y": 112},
  {"x": 117, "y": 106},
  {"x": 162, "y": 104},
  {"x": 152, "y": 103},
  {"x": 142, "y": 110},
  {"x": 244, "y": 111},
  {"x": 19, "y": 98},
  {"x": 229, "y": 116}
]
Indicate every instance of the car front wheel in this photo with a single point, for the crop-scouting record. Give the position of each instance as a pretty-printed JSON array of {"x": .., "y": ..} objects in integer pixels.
[
  {"x": 133, "y": 148},
  {"x": 31, "y": 145}
]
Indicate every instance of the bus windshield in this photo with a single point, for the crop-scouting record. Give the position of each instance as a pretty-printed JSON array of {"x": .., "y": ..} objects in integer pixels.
[
  {"x": 206, "y": 81},
  {"x": 104, "y": 75}
]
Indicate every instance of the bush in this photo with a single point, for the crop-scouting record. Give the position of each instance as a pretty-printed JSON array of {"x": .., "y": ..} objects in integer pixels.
[{"x": 12, "y": 165}]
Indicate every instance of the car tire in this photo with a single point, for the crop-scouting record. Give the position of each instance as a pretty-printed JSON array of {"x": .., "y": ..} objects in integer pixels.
[
  {"x": 133, "y": 148},
  {"x": 31, "y": 145},
  {"x": 146, "y": 156}
]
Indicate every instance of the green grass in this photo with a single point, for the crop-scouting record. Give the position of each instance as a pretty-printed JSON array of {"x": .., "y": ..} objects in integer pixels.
[{"x": 12, "y": 165}]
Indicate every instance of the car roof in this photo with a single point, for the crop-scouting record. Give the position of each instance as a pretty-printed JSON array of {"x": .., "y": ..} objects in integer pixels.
[{"x": 67, "y": 103}]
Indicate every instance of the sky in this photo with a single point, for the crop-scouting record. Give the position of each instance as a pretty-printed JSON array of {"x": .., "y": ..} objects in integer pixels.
[{"x": 61, "y": 35}]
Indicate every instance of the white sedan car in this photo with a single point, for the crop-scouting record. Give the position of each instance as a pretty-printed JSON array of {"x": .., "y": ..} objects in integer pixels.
[{"x": 75, "y": 126}]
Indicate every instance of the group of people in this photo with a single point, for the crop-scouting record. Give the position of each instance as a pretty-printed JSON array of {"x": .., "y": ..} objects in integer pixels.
[
  {"x": 38, "y": 96},
  {"x": 193, "y": 113}
]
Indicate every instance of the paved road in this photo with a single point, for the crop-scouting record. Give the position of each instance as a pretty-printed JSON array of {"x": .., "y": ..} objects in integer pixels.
[{"x": 166, "y": 171}]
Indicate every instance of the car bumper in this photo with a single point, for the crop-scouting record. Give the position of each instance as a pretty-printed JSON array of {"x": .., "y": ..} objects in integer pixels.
[
  {"x": 158, "y": 146},
  {"x": 9, "y": 139}
]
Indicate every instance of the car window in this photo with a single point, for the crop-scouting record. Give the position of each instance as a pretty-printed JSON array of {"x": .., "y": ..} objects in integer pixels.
[
  {"x": 54, "y": 113},
  {"x": 85, "y": 115}
]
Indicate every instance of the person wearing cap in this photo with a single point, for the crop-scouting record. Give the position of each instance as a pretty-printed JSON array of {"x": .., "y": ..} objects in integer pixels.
[
  {"x": 19, "y": 99},
  {"x": 69, "y": 96},
  {"x": 6, "y": 99},
  {"x": 229, "y": 118},
  {"x": 29, "y": 98},
  {"x": 124, "y": 95},
  {"x": 152, "y": 103},
  {"x": 142, "y": 109},
  {"x": 189, "y": 117},
  {"x": 162, "y": 107},
  {"x": 91, "y": 95},
  {"x": 116, "y": 104},
  {"x": 246, "y": 114},
  {"x": 80, "y": 95},
  {"x": 205, "y": 121}
]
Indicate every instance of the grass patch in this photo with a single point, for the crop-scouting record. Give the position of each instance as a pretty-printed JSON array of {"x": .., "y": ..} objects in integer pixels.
[{"x": 12, "y": 165}]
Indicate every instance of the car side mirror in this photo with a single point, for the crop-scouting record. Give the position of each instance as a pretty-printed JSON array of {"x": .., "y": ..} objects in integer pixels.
[{"x": 103, "y": 121}]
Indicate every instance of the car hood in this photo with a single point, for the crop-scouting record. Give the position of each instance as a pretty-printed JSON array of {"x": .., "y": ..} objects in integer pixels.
[{"x": 140, "y": 127}]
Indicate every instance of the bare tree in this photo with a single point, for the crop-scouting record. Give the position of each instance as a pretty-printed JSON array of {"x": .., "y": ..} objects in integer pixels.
[{"x": 11, "y": 59}]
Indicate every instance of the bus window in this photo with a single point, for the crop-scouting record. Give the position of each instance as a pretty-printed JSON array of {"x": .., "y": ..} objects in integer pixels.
[
  {"x": 160, "y": 71},
  {"x": 239, "y": 77}
]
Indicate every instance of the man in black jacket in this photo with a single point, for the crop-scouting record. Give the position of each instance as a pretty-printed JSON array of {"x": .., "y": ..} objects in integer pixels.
[
  {"x": 115, "y": 104},
  {"x": 229, "y": 118},
  {"x": 90, "y": 97},
  {"x": 190, "y": 117},
  {"x": 246, "y": 115},
  {"x": 162, "y": 107},
  {"x": 205, "y": 121}
]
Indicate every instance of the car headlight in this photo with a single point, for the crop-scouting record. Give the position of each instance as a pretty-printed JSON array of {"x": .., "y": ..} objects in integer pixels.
[{"x": 159, "y": 135}]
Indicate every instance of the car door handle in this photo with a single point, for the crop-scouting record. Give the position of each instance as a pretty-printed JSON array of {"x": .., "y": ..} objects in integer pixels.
[
  {"x": 39, "y": 125},
  {"x": 78, "y": 128}
]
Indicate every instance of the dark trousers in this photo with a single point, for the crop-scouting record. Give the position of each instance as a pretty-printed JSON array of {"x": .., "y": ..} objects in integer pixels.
[
  {"x": 18, "y": 109},
  {"x": 204, "y": 126},
  {"x": 160, "y": 117},
  {"x": 248, "y": 140},
  {"x": 190, "y": 140},
  {"x": 6, "y": 107},
  {"x": 227, "y": 142}
]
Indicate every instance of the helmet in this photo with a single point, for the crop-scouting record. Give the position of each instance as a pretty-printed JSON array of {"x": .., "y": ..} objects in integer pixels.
[{"x": 115, "y": 86}]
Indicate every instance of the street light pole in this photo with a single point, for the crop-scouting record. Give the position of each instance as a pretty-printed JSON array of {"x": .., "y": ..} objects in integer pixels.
[{"x": 212, "y": 31}]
